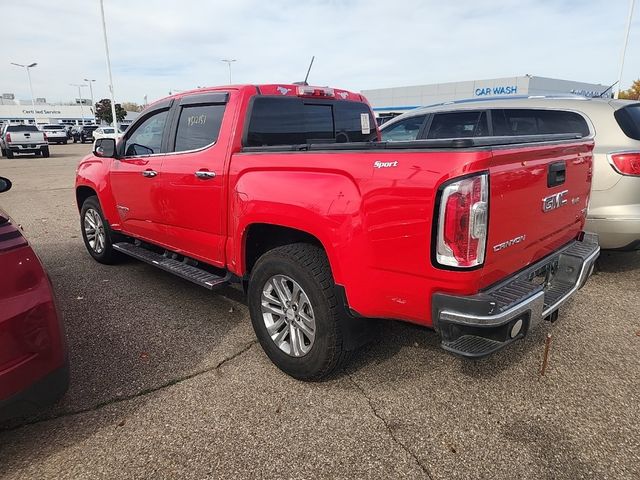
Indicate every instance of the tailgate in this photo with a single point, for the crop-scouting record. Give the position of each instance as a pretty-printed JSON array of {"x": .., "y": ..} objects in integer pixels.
[
  {"x": 27, "y": 137},
  {"x": 538, "y": 202}
]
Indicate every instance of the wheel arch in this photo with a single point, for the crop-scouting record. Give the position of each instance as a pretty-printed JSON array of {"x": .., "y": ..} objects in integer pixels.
[{"x": 259, "y": 238}]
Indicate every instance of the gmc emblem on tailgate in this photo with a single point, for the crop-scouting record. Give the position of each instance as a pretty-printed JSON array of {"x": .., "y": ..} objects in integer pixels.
[{"x": 554, "y": 201}]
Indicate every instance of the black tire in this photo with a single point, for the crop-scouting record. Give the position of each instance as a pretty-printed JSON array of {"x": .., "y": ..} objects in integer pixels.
[
  {"x": 75, "y": 140},
  {"x": 64, "y": 142},
  {"x": 308, "y": 266},
  {"x": 9, "y": 153},
  {"x": 45, "y": 152},
  {"x": 107, "y": 255}
]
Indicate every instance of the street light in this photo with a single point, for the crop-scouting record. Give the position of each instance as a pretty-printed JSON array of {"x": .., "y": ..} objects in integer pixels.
[
  {"x": 33, "y": 103},
  {"x": 229, "y": 61},
  {"x": 106, "y": 51},
  {"x": 80, "y": 85},
  {"x": 93, "y": 104}
]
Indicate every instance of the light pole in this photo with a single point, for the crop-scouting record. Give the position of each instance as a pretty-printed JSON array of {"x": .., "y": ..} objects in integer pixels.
[
  {"x": 229, "y": 61},
  {"x": 33, "y": 103},
  {"x": 624, "y": 47},
  {"x": 80, "y": 85},
  {"x": 106, "y": 51},
  {"x": 93, "y": 104}
]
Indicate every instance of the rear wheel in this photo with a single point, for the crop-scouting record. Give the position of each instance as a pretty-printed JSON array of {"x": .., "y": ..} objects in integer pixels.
[
  {"x": 45, "y": 152},
  {"x": 9, "y": 153},
  {"x": 295, "y": 312},
  {"x": 97, "y": 236}
]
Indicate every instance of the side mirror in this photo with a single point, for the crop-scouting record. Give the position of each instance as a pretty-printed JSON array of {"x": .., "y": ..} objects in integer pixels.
[
  {"x": 105, "y": 148},
  {"x": 5, "y": 184}
]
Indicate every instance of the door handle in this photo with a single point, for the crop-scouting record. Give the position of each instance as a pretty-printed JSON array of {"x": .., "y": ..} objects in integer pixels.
[
  {"x": 149, "y": 173},
  {"x": 205, "y": 174}
]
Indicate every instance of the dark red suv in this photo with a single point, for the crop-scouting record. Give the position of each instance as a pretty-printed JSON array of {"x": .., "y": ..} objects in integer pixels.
[{"x": 34, "y": 369}]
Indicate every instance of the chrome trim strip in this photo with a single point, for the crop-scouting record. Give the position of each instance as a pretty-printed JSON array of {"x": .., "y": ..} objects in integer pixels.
[{"x": 535, "y": 303}]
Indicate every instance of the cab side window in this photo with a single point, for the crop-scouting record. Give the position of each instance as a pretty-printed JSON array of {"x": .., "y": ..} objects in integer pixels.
[
  {"x": 458, "y": 125},
  {"x": 403, "y": 131},
  {"x": 198, "y": 126},
  {"x": 146, "y": 138}
]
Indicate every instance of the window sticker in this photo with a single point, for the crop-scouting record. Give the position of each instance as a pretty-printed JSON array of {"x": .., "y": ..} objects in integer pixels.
[
  {"x": 364, "y": 123},
  {"x": 196, "y": 120}
]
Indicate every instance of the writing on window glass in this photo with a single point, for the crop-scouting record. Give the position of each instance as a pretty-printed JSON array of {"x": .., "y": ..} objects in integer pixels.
[{"x": 196, "y": 120}]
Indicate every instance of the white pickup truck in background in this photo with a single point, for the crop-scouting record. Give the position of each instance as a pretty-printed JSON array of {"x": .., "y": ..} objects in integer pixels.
[{"x": 23, "y": 139}]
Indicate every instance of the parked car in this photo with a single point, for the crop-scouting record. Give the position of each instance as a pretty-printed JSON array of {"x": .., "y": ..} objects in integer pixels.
[
  {"x": 23, "y": 139},
  {"x": 34, "y": 370},
  {"x": 83, "y": 133},
  {"x": 285, "y": 189},
  {"x": 614, "y": 209},
  {"x": 105, "y": 132},
  {"x": 56, "y": 133}
]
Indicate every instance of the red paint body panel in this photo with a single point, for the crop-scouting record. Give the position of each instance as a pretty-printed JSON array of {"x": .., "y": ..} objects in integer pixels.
[
  {"x": 374, "y": 223},
  {"x": 32, "y": 343}
]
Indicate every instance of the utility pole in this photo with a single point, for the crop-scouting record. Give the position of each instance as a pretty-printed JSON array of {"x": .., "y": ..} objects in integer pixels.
[
  {"x": 33, "y": 102},
  {"x": 229, "y": 61},
  {"x": 624, "y": 47},
  {"x": 106, "y": 50}
]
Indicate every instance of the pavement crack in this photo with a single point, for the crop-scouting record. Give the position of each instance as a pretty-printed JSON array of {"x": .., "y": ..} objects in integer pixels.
[
  {"x": 393, "y": 436},
  {"x": 139, "y": 394}
]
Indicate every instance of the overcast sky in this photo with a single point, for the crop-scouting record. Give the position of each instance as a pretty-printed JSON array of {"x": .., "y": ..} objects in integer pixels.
[{"x": 162, "y": 45}]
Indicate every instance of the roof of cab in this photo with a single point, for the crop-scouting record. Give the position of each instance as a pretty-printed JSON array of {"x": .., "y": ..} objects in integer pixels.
[{"x": 275, "y": 89}]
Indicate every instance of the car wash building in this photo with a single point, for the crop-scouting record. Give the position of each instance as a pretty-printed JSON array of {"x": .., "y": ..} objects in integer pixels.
[{"x": 389, "y": 102}]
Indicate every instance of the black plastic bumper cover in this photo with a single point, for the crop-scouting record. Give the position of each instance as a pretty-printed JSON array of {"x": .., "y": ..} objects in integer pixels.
[
  {"x": 478, "y": 325},
  {"x": 44, "y": 392}
]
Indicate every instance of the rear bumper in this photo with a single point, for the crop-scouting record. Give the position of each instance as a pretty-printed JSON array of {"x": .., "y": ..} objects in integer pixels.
[
  {"x": 45, "y": 391},
  {"x": 477, "y": 325},
  {"x": 27, "y": 148}
]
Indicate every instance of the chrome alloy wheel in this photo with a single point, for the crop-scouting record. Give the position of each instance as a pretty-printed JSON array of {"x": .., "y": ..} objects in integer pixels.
[
  {"x": 288, "y": 315},
  {"x": 94, "y": 230}
]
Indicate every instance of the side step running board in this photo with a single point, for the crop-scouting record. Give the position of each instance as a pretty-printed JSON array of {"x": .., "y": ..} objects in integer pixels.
[{"x": 188, "y": 272}]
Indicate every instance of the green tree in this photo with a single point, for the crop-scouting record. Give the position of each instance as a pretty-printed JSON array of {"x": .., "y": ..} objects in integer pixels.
[
  {"x": 633, "y": 92},
  {"x": 103, "y": 111}
]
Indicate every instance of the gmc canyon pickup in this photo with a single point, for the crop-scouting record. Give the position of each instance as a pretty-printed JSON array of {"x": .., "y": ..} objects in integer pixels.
[{"x": 288, "y": 190}]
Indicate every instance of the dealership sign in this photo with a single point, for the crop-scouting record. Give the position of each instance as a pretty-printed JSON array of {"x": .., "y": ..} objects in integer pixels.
[
  {"x": 42, "y": 112},
  {"x": 497, "y": 90}
]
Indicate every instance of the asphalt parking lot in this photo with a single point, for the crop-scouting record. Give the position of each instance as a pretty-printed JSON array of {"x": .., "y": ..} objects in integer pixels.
[{"x": 168, "y": 381}]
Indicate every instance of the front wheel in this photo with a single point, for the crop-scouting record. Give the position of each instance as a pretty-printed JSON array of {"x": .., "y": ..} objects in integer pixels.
[
  {"x": 9, "y": 153},
  {"x": 295, "y": 313},
  {"x": 97, "y": 236}
]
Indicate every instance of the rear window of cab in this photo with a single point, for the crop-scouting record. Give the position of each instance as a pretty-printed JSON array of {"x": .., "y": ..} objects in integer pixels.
[{"x": 293, "y": 121}]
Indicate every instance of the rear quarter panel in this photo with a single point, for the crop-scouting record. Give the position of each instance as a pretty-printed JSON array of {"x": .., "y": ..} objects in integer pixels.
[{"x": 374, "y": 223}]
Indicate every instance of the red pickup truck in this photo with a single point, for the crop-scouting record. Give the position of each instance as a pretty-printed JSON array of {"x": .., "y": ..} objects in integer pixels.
[{"x": 287, "y": 189}]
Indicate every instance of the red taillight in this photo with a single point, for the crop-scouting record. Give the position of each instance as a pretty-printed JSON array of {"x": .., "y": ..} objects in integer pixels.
[
  {"x": 45, "y": 136},
  {"x": 626, "y": 163},
  {"x": 8, "y": 137},
  {"x": 462, "y": 222}
]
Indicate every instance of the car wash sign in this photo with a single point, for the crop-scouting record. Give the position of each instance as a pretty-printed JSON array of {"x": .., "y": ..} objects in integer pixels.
[{"x": 495, "y": 90}]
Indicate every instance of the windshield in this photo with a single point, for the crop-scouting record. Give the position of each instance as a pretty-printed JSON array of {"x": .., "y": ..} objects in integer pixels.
[
  {"x": 629, "y": 120},
  {"x": 108, "y": 130},
  {"x": 53, "y": 127}
]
